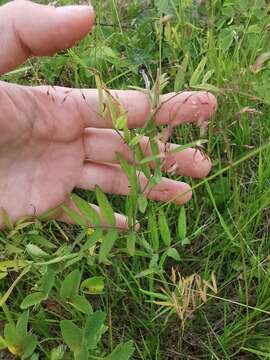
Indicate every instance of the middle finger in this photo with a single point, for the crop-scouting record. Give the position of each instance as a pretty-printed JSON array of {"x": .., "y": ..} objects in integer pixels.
[{"x": 103, "y": 145}]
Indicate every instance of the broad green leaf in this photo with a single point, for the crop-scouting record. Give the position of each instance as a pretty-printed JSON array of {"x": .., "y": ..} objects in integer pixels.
[
  {"x": 83, "y": 354},
  {"x": 93, "y": 327},
  {"x": 164, "y": 229},
  {"x": 182, "y": 224},
  {"x": 174, "y": 254},
  {"x": 227, "y": 37},
  {"x": 94, "y": 285},
  {"x": 35, "y": 251},
  {"x": 81, "y": 304},
  {"x": 72, "y": 335},
  {"x": 164, "y": 7},
  {"x": 122, "y": 352},
  {"x": 86, "y": 209},
  {"x": 48, "y": 281},
  {"x": 29, "y": 345},
  {"x": 105, "y": 207},
  {"x": 22, "y": 323},
  {"x": 33, "y": 299},
  {"x": 107, "y": 244},
  {"x": 10, "y": 335},
  {"x": 70, "y": 285}
]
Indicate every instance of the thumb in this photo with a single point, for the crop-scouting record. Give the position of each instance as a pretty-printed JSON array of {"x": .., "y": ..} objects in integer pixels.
[{"x": 29, "y": 29}]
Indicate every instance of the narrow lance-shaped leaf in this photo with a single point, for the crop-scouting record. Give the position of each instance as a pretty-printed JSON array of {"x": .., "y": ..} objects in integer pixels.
[
  {"x": 135, "y": 140},
  {"x": 155, "y": 150},
  {"x": 164, "y": 229},
  {"x": 121, "y": 121},
  {"x": 130, "y": 172},
  {"x": 86, "y": 209},
  {"x": 131, "y": 241},
  {"x": 197, "y": 74},
  {"x": 182, "y": 224},
  {"x": 152, "y": 225},
  {"x": 77, "y": 218},
  {"x": 139, "y": 155},
  {"x": 107, "y": 244},
  {"x": 113, "y": 104},
  {"x": 105, "y": 207},
  {"x": 149, "y": 159},
  {"x": 100, "y": 95},
  {"x": 142, "y": 203},
  {"x": 186, "y": 146}
]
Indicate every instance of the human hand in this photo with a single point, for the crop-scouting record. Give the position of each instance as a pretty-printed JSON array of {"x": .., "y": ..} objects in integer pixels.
[{"x": 53, "y": 139}]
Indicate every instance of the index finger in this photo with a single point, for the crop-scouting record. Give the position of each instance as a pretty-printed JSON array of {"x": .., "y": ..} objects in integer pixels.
[{"x": 174, "y": 108}]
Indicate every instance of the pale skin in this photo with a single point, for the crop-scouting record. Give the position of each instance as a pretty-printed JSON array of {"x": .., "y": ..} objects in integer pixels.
[{"x": 49, "y": 146}]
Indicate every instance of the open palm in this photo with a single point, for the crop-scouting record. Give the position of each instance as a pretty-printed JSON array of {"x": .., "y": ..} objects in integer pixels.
[{"x": 53, "y": 139}]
